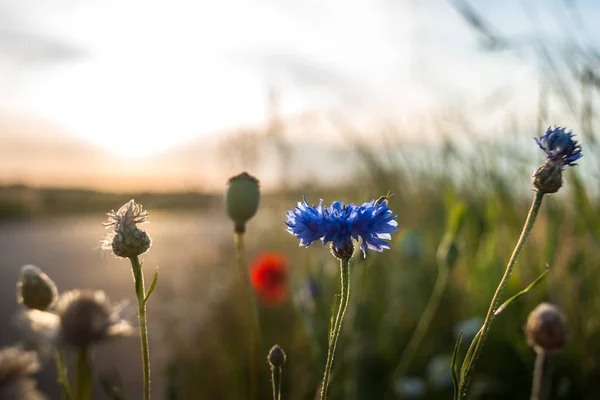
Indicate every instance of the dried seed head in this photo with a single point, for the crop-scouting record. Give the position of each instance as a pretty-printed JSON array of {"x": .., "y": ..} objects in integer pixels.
[
  {"x": 87, "y": 317},
  {"x": 127, "y": 240},
  {"x": 35, "y": 289},
  {"x": 548, "y": 177},
  {"x": 242, "y": 199},
  {"x": 546, "y": 328},
  {"x": 276, "y": 356},
  {"x": 15, "y": 367}
]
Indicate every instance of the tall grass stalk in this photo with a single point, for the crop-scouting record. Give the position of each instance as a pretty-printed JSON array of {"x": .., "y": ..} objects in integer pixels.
[
  {"x": 477, "y": 343},
  {"x": 238, "y": 238},
  {"x": 337, "y": 326}
]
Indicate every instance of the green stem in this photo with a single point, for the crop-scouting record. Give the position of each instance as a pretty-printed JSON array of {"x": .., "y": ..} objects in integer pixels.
[
  {"x": 423, "y": 324},
  {"x": 337, "y": 327},
  {"x": 538, "y": 376},
  {"x": 138, "y": 279},
  {"x": 84, "y": 373},
  {"x": 62, "y": 379},
  {"x": 238, "y": 238},
  {"x": 276, "y": 378},
  {"x": 535, "y": 206}
]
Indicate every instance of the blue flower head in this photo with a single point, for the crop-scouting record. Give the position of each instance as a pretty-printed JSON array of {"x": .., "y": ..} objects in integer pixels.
[
  {"x": 559, "y": 145},
  {"x": 339, "y": 224}
]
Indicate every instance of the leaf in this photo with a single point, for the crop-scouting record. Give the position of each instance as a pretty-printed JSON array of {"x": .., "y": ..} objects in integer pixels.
[
  {"x": 523, "y": 292},
  {"x": 469, "y": 355},
  {"x": 455, "y": 377},
  {"x": 152, "y": 286}
]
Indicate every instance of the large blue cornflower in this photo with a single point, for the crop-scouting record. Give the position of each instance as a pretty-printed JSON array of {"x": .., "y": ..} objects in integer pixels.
[
  {"x": 559, "y": 145},
  {"x": 339, "y": 223}
]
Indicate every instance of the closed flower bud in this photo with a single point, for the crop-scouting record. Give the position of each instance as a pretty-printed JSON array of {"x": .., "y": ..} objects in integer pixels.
[
  {"x": 36, "y": 290},
  {"x": 242, "y": 199},
  {"x": 276, "y": 356},
  {"x": 127, "y": 239},
  {"x": 546, "y": 328},
  {"x": 548, "y": 177}
]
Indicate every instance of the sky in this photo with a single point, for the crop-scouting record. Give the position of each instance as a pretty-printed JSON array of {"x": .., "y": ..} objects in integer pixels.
[{"x": 138, "y": 78}]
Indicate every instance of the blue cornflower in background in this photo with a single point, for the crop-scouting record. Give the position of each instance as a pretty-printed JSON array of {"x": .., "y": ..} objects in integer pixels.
[
  {"x": 559, "y": 145},
  {"x": 339, "y": 223}
]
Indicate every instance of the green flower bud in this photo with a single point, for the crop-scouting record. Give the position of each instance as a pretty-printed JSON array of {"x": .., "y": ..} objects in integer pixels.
[
  {"x": 548, "y": 177},
  {"x": 276, "y": 356},
  {"x": 36, "y": 290},
  {"x": 241, "y": 199}
]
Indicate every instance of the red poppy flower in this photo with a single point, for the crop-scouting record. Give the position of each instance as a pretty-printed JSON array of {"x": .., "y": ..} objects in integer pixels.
[{"x": 269, "y": 277}]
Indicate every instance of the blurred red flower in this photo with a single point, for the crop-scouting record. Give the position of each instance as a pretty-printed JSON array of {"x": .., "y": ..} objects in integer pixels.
[{"x": 268, "y": 273}]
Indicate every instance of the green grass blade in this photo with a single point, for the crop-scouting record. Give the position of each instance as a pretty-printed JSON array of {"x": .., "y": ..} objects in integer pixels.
[
  {"x": 522, "y": 292},
  {"x": 455, "y": 377}
]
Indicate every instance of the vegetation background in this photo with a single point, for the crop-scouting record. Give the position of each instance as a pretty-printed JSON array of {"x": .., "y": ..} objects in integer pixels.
[{"x": 198, "y": 323}]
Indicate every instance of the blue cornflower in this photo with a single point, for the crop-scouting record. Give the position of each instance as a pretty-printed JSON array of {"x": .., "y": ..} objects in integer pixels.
[
  {"x": 559, "y": 145},
  {"x": 373, "y": 222},
  {"x": 339, "y": 223}
]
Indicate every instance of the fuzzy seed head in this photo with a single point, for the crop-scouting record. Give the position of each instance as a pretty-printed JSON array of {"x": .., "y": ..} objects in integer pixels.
[
  {"x": 87, "y": 317},
  {"x": 127, "y": 239},
  {"x": 276, "y": 356},
  {"x": 546, "y": 328},
  {"x": 548, "y": 177},
  {"x": 35, "y": 289},
  {"x": 16, "y": 366}
]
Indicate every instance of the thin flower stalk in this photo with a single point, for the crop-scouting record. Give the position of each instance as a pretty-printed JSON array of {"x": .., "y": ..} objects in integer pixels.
[
  {"x": 238, "y": 238},
  {"x": 337, "y": 326},
  {"x": 537, "y": 388},
  {"x": 489, "y": 318},
  {"x": 84, "y": 373},
  {"x": 140, "y": 291},
  {"x": 63, "y": 377}
]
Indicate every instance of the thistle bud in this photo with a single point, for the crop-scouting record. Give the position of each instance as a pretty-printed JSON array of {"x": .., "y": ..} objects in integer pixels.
[
  {"x": 241, "y": 199},
  {"x": 276, "y": 356},
  {"x": 35, "y": 289},
  {"x": 548, "y": 177},
  {"x": 546, "y": 328},
  {"x": 127, "y": 240}
]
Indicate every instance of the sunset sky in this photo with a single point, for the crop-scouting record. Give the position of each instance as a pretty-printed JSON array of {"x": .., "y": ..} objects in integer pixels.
[{"x": 134, "y": 79}]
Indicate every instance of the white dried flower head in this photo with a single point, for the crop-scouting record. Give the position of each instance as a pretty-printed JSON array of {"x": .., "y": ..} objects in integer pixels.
[
  {"x": 16, "y": 366},
  {"x": 82, "y": 317},
  {"x": 127, "y": 240}
]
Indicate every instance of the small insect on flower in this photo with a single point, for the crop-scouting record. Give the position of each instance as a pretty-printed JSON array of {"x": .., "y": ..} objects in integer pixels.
[
  {"x": 127, "y": 240},
  {"x": 559, "y": 145},
  {"x": 268, "y": 273},
  {"x": 16, "y": 366},
  {"x": 339, "y": 224}
]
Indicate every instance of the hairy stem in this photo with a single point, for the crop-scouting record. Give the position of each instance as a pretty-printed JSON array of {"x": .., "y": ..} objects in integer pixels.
[
  {"x": 276, "y": 378},
  {"x": 140, "y": 292},
  {"x": 337, "y": 327},
  {"x": 527, "y": 227}
]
